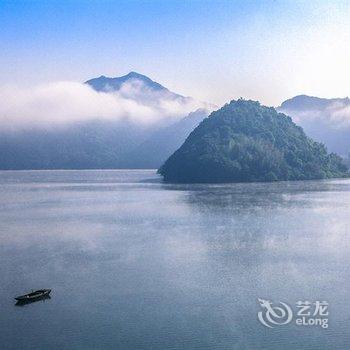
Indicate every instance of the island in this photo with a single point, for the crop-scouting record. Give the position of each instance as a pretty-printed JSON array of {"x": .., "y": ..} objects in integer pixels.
[{"x": 247, "y": 142}]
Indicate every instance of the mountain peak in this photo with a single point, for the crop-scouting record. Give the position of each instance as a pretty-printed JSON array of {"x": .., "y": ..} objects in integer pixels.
[
  {"x": 132, "y": 75},
  {"x": 107, "y": 84},
  {"x": 305, "y": 102}
]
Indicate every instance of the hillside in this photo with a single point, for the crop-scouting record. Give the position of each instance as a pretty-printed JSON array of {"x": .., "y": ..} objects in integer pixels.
[
  {"x": 155, "y": 150},
  {"x": 88, "y": 145},
  {"x": 245, "y": 142}
]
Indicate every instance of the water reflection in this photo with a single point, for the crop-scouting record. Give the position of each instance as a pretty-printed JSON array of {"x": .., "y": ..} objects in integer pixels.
[{"x": 148, "y": 265}]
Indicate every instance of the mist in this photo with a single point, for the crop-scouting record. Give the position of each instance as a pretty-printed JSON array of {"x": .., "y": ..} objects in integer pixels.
[
  {"x": 66, "y": 102},
  {"x": 336, "y": 115},
  {"x": 326, "y": 121}
]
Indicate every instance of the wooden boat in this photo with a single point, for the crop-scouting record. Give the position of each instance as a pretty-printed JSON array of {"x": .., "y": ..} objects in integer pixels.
[{"x": 37, "y": 294}]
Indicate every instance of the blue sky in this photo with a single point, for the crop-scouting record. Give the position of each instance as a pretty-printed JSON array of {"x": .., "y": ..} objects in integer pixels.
[{"x": 212, "y": 50}]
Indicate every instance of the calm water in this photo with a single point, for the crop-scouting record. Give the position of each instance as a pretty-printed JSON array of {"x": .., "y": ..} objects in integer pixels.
[{"x": 137, "y": 264}]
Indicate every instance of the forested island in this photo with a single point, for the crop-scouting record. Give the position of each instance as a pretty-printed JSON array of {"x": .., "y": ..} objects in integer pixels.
[{"x": 247, "y": 142}]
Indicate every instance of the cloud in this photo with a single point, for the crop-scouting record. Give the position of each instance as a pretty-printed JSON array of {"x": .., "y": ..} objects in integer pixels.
[
  {"x": 67, "y": 102},
  {"x": 340, "y": 117},
  {"x": 335, "y": 116}
]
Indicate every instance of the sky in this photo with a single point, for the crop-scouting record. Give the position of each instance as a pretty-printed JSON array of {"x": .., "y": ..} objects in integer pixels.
[{"x": 214, "y": 51}]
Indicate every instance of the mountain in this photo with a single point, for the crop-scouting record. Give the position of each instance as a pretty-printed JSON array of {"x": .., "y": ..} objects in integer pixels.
[
  {"x": 153, "y": 152},
  {"x": 142, "y": 86},
  {"x": 93, "y": 145},
  {"x": 106, "y": 142},
  {"x": 106, "y": 84},
  {"x": 325, "y": 120},
  {"x": 245, "y": 142},
  {"x": 304, "y": 103},
  {"x": 87, "y": 145}
]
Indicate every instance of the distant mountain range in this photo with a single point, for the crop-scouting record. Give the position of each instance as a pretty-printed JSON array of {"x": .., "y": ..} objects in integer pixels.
[
  {"x": 106, "y": 84},
  {"x": 310, "y": 103},
  {"x": 101, "y": 143},
  {"x": 325, "y": 120},
  {"x": 147, "y": 85},
  {"x": 128, "y": 143}
]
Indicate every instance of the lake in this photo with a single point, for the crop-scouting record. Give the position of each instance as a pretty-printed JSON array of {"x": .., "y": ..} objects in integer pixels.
[{"x": 134, "y": 263}]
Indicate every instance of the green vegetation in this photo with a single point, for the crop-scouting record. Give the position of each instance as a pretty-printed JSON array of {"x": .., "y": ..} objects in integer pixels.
[{"x": 245, "y": 142}]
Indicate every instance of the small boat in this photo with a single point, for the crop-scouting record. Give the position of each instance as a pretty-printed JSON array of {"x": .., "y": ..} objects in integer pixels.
[{"x": 37, "y": 294}]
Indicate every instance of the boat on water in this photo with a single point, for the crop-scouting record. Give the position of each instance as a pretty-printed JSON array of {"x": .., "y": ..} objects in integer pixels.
[{"x": 34, "y": 295}]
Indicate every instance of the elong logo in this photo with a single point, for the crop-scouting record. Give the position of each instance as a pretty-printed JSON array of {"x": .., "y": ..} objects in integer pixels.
[{"x": 308, "y": 313}]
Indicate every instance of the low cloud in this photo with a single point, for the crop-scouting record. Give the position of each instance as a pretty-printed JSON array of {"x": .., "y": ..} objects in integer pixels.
[
  {"x": 66, "y": 102},
  {"x": 340, "y": 117},
  {"x": 336, "y": 115}
]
